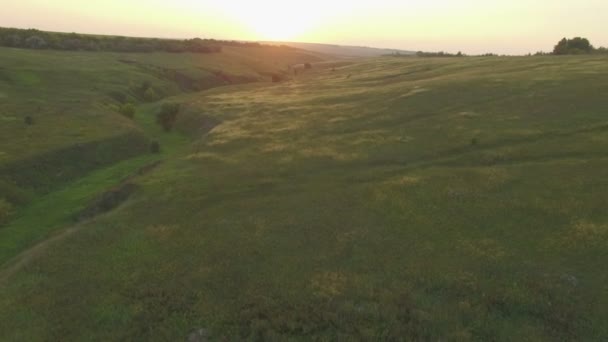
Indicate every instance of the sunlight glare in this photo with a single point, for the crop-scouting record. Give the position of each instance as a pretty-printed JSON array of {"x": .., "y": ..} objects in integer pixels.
[{"x": 280, "y": 20}]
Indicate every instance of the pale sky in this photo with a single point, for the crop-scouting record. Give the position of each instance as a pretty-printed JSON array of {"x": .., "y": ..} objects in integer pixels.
[{"x": 473, "y": 26}]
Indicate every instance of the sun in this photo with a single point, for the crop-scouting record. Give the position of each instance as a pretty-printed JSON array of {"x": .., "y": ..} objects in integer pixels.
[
  {"x": 275, "y": 20},
  {"x": 268, "y": 27}
]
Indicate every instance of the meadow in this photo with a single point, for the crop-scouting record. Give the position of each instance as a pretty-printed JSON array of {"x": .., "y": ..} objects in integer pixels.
[{"x": 372, "y": 199}]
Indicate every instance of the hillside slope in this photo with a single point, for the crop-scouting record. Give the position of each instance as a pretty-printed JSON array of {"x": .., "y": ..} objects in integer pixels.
[
  {"x": 426, "y": 199},
  {"x": 59, "y": 111},
  {"x": 82, "y": 89},
  {"x": 345, "y": 51}
]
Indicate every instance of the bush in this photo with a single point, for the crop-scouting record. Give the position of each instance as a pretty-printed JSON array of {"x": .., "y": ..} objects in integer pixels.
[
  {"x": 128, "y": 110},
  {"x": 168, "y": 116},
  {"x": 35, "y": 42},
  {"x": 276, "y": 78},
  {"x": 6, "y": 210},
  {"x": 150, "y": 95},
  {"x": 155, "y": 147},
  {"x": 28, "y": 120},
  {"x": 307, "y": 66}
]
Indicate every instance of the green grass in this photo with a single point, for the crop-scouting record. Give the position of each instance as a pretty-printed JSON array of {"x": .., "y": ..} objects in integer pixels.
[
  {"x": 55, "y": 211},
  {"x": 73, "y": 98},
  {"x": 77, "y": 129},
  {"x": 351, "y": 208}
]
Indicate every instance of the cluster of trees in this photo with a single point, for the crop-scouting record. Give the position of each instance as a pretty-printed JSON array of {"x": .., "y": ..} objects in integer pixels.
[
  {"x": 574, "y": 46},
  {"x": 443, "y": 54},
  {"x": 35, "y": 39},
  {"x": 439, "y": 54},
  {"x": 577, "y": 46}
]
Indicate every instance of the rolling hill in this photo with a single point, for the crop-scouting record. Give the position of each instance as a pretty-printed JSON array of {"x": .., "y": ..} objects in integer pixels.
[
  {"x": 344, "y": 51},
  {"x": 374, "y": 199},
  {"x": 61, "y": 122}
]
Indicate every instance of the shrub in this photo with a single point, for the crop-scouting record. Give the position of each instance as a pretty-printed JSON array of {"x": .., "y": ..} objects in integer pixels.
[
  {"x": 6, "y": 210},
  {"x": 474, "y": 142},
  {"x": 168, "y": 116},
  {"x": 35, "y": 42},
  {"x": 307, "y": 66},
  {"x": 155, "y": 147},
  {"x": 150, "y": 95},
  {"x": 276, "y": 78},
  {"x": 28, "y": 120},
  {"x": 145, "y": 85},
  {"x": 128, "y": 110}
]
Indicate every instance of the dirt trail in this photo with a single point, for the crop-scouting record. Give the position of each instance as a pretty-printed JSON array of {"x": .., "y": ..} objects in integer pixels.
[{"x": 17, "y": 263}]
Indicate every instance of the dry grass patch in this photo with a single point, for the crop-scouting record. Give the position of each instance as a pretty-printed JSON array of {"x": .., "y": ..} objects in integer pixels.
[
  {"x": 161, "y": 233},
  {"x": 329, "y": 284},
  {"x": 209, "y": 155},
  {"x": 485, "y": 249},
  {"x": 328, "y": 152}
]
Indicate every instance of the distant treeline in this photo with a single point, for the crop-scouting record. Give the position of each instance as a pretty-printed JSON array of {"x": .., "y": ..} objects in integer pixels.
[
  {"x": 35, "y": 39},
  {"x": 574, "y": 46},
  {"x": 438, "y": 54},
  {"x": 447, "y": 54}
]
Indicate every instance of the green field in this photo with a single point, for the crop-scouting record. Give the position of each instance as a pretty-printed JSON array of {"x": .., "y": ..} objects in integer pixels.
[{"x": 375, "y": 199}]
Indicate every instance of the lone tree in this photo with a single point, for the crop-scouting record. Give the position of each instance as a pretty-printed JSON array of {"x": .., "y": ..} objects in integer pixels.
[
  {"x": 168, "y": 116},
  {"x": 574, "y": 46}
]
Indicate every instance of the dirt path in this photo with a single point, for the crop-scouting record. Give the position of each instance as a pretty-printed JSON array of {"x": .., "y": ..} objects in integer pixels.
[{"x": 17, "y": 263}]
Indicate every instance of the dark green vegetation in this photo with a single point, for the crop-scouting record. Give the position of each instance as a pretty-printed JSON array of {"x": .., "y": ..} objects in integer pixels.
[
  {"x": 439, "y": 54},
  {"x": 576, "y": 46},
  {"x": 167, "y": 116},
  {"x": 385, "y": 199},
  {"x": 40, "y": 40}
]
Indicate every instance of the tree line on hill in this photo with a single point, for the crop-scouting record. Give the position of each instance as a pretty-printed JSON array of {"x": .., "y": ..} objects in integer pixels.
[
  {"x": 36, "y": 39},
  {"x": 574, "y": 46}
]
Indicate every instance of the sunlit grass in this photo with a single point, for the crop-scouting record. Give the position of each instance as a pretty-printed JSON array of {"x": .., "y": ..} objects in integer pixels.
[{"x": 457, "y": 199}]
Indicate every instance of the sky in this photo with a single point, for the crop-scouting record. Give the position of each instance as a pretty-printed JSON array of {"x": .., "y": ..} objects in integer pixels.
[{"x": 470, "y": 26}]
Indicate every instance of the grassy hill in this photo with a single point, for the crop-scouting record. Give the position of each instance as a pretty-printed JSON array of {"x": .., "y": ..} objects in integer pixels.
[
  {"x": 345, "y": 51},
  {"x": 383, "y": 199},
  {"x": 73, "y": 100},
  {"x": 82, "y": 88},
  {"x": 63, "y": 140}
]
